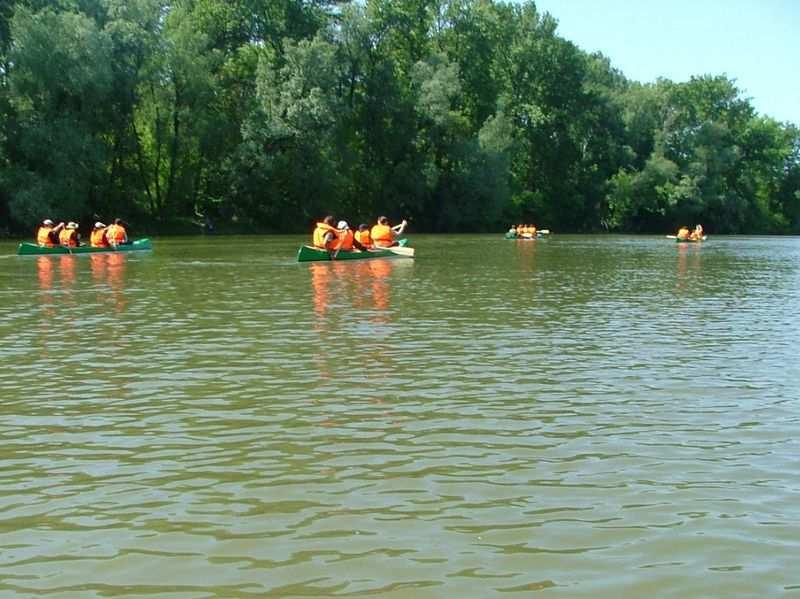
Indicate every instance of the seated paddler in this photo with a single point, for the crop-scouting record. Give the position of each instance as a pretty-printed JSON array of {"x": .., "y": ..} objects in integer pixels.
[
  {"x": 363, "y": 237},
  {"x": 47, "y": 235},
  {"x": 385, "y": 235},
  {"x": 69, "y": 236},
  {"x": 683, "y": 233},
  {"x": 325, "y": 234},
  {"x": 346, "y": 239}
]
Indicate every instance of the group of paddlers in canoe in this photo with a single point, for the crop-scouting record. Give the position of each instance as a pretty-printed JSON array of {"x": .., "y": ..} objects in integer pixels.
[
  {"x": 341, "y": 238},
  {"x": 685, "y": 235},
  {"x": 67, "y": 235}
]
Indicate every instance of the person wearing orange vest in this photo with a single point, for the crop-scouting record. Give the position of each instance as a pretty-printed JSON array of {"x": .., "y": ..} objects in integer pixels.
[
  {"x": 325, "y": 234},
  {"x": 697, "y": 234},
  {"x": 385, "y": 236},
  {"x": 47, "y": 234},
  {"x": 346, "y": 239},
  {"x": 683, "y": 233},
  {"x": 98, "y": 239},
  {"x": 69, "y": 236},
  {"x": 116, "y": 233},
  {"x": 362, "y": 236}
]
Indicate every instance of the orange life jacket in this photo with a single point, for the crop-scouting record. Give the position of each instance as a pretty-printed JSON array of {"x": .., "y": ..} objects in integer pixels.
[
  {"x": 319, "y": 236},
  {"x": 98, "y": 238},
  {"x": 382, "y": 235},
  {"x": 364, "y": 239},
  {"x": 345, "y": 240},
  {"x": 43, "y": 236},
  {"x": 683, "y": 233},
  {"x": 115, "y": 234},
  {"x": 68, "y": 237}
]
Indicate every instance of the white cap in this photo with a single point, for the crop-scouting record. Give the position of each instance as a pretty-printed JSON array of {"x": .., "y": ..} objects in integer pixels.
[
  {"x": 342, "y": 225},
  {"x": 99, "y": 225},
  {"x": 71, "y": 225},
  {"x": 47, "y": 221}
]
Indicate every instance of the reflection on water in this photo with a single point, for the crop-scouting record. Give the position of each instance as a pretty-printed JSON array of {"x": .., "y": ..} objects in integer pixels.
[
  {"x": 689, "y": 264},
  {"x": 362, "y": 284},
  {"x": 491, "y": 419},
  {"x": 108, "y": 274}
]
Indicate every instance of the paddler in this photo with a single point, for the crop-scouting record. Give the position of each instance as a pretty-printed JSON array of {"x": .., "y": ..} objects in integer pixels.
[
  {"x": 362, "y": 236},
  {"x": 346, "y": 240},
  {"x": 384, "y": 235},
  {"x": 697, "y": 234},
  {"x": 69, "y": 236},
  {"x": 98, "y": 239},
  {"x": 47, "y": 234},
  {"x": 325, "y": 234},
  {"x": 116, "y": 233},
  {"x": 683, "y": 233}
]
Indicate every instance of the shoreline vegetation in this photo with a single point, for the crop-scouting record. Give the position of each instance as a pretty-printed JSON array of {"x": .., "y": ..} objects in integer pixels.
[{"x": 260, "y": 116}]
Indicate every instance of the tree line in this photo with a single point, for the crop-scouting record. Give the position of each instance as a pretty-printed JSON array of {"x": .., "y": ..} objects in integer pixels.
[{"x": 461, "y": 115}]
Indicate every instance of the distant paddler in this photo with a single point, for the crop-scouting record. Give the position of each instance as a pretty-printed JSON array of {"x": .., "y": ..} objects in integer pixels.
[
  {"x": 384, "y": 235},
  {"x": 683, "y": 233},
  {"x": 697, "y": 234}
]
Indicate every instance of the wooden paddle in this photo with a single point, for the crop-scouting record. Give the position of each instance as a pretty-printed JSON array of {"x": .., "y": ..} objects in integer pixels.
[{"x": 401, "y": 251}]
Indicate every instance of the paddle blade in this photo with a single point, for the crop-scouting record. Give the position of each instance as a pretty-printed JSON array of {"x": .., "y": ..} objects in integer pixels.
[
  {"x": 544, "y": 231},
  {"x": 402, "y": 251}
]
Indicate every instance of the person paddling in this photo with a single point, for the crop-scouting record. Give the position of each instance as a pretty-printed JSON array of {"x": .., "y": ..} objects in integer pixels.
[
  {"x": 362, "y": 236},
  {"x": 697, "y": 234},
  {"x": 346, "y": 239},
  {"x": 384, "y": 235},
  {"x": 683, "y": 233},
  {"x": 116, "y": 233},
  {"x": 98, "y": 239},
  {"x": 325, "y": 234},
  {"x": 47, "y": 234},
  {"x": 69, "y": 236}
]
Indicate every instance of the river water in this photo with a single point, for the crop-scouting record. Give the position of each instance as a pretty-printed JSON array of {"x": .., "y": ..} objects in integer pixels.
[{"x": 578, "y": 416}]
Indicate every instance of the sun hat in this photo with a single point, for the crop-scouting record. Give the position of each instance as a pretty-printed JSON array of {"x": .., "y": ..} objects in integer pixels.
[
  {"x": 342, "y": 225},
  {"x": 99, "y": 225},
  {"x": 71, "y": 225},
  {"x": 47, "y": 221}
]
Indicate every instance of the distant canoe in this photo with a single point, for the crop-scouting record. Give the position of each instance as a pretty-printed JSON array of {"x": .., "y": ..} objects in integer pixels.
[
  {"x": 31, "y": 249},
  {"x": 308, "y": 253},
  {"x": 687, "y": 240},
  {"x": 527, "y": 236}
]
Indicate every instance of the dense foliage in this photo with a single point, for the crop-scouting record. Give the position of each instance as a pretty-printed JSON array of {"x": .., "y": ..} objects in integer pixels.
[{"x": 463, "y": 115}]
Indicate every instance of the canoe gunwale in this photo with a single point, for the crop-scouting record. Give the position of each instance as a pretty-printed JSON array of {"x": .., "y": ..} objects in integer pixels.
[
  {"x": 308, "y": 253},
  {"x": 31, "y": 249}
]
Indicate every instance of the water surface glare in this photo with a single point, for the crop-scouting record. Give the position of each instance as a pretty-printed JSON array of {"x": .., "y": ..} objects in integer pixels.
[{"x": 578, "y": 416}]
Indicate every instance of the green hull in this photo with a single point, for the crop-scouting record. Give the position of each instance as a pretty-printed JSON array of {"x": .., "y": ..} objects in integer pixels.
[
  {"x": 31, "y": 249},
  {"x": 312, "y": 254},
  {"x": 691, "y": 240}
]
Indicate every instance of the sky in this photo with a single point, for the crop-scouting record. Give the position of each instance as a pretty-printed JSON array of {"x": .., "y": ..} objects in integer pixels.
[{"x": 754, "y": 42}]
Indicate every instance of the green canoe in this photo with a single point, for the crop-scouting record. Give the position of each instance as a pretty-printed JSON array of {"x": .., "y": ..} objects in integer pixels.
[
  {"x": 539, "y": 234},
  {"x": 687, "y": 240},
  {"x": 31, "y": 249},
  {"x": 308, "y": 253}
]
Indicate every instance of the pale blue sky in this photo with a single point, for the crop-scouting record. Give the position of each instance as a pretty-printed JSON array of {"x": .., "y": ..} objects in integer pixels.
[{"x": 755, "y": 42}]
